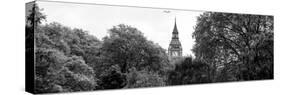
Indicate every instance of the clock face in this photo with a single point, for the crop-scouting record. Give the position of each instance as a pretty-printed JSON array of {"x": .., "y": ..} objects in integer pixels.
[
  {"x": 174, "y": 53},
  {"x": 175, "y": 36}
]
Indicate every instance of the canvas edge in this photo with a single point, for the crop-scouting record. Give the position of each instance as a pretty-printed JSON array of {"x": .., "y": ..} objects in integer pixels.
[{"x": 29, "y": 55}]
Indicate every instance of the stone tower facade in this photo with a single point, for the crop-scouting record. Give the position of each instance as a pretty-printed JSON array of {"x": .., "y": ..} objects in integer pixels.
[{"x": 175, "y": 49}]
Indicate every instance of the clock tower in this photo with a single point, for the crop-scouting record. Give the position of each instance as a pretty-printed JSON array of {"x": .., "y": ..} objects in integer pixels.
[{"x": 175, "y": 49}]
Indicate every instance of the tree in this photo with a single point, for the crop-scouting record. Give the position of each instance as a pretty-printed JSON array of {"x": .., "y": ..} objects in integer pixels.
[
  {"x": 235, "y": 42},
  {"x": 48, "y": 63},
  {"x": 114, "y": 79},
  {"x": 143, "y": 78},
  {"x": 35, "y": 17},
  {"x": 63, "y": 59},
  {"x": 189, "y": 71},
  {"x": 126, "y": 48},
  {"x": 76, "y": 75}
]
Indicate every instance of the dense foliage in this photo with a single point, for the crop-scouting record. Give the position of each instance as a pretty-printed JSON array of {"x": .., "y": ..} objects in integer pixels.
[
  {"x": 126, "y": 52},
  {"x": 62, "y": 63},
  {"x": 237, "y": 46},
  {"x": 229, "y": 47},
  {"x": 189, "y": 71}
]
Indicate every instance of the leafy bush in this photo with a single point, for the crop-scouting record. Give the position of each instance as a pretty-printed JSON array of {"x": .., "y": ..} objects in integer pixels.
[
  {"x": 143, "y": 78},
  {"x": 189, "y": 72}
]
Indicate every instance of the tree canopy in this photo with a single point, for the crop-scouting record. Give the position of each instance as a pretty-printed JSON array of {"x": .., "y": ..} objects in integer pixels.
[{"x": 240, "y": 45}]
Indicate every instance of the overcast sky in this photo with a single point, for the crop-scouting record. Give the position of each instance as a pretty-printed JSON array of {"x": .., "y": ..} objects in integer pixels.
[{"x": 156, "y": 24}]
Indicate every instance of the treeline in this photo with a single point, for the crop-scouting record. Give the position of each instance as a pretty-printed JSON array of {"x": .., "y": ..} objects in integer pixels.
[{"x": 73, "y": 60}]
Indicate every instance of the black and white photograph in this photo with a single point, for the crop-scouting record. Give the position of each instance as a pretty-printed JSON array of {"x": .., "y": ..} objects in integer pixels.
[{"x": 73, "y": 47}]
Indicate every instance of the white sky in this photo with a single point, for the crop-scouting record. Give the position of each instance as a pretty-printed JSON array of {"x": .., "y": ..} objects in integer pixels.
[{"x": 97, "y": 19}]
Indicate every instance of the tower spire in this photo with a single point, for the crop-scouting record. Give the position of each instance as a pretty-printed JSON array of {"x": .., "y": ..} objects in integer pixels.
[
  {"x": 175, "y": 49},
  {"x": 175, "y": 19},
  {"x": 175, "y": 31}
]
